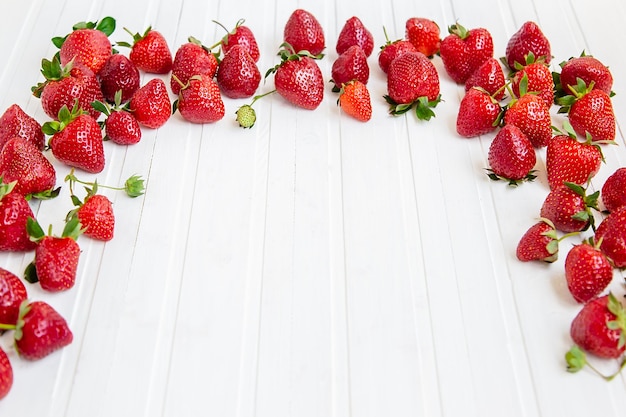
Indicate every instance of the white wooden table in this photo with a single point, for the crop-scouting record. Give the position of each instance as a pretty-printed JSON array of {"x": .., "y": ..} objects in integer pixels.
[{"x": 313, "y": 265}]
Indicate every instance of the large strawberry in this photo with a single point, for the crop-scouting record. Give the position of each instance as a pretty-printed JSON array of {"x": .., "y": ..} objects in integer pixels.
[
  {"x": 478, "y": 113},
  {"x": 613, "y": 191},
  {"x": 192, "y": 58},
  {"x": 149, "y": 51},
  {"x": 151, "y": 104},
  {"x": 590, "y": 111},
  {"x": 539, "y": 243},
  {"x": 304, "y": 33},
  {"x": 238, "y": 75},
  {"x": 16, "y": 122},
  {"x": 587, "y": 272},
  {"x": 587, "y": 68},
  {"x": 392, "y": 50},
  {"x": 88, "y": 43},
  {"x": 350, "y": 65},
  {"x": 570, "y": 160},
  {"x": 118, "y": 74},
  {"x": 14, "y": 214},
  {"x": 536, "y": 77},
  {"x": 532, "y": 115},
  {"x": 354, "y": 100},
  {"x": 528, "y": 39},
  {"x": 569, "y": 207},
  {"x": 424, "y": 34},
  {"x": 21, "y": 161},
  {"x": 611, "y": 234},
  {"x": 200, "y": 100},
  {"x": 12, "y": 293},
  {"x": 490, "y": 77},
  {"x": 354, "y": 33},
  {"x": 463, "y": 51},
  {"x": 6, "y": 374},
  {"x": 241, "y": 35},
  {"x": 511, "y": 156}
]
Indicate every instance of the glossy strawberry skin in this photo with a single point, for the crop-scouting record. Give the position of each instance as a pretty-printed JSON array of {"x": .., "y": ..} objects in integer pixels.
[
  {"x": 14, "y": 213},
  {"x": 97, "y": 218},
  {"x": 191, "y": 59},
  {"x": 91, "y": 47},
  {"x": 6, "y": 374},
  {"x": 490, "y": 77},
  {"x": 589, "y": 330},
  {"x": 243, "y": 36},
  {"x": 304, "y": 32},
  {"x": 568, "y": 160},
  {"x": 539, "y": 243},
  {"x": 511, "y": 155},
  {"x": 300, "y": 82},
  {"x": 79, "y": 145},
  {"x": 201, "y": 101},
  {"x": 410, "y": 76},
  {"x": 462, "y": 56},
  {"x": 528, "y": 38},
  {"x": 355, "y": 33},
  {"x": 531, "y": 114},
  {"x": 21, "y": 161},
  {"x": 354, "y": 99},
  {"x": 56, "y": 263},
  {"x": 238, "y": 75},
  {"x": 589, "y": 69},
  {"x": 614, "y": 190},
  {"x": 151, "y": 53},
  {"x": 540, "y": 81},
  {"x": 587, "y": 272},
  {"x": 118, "y": 73},
  {"x": 81, "y": 84},
  {"x": 594, "y": 113},
  {"x": 560, "y": 206},
  {"x": 44, "y": 331},
  {"x": 350, "y": 65},
  {"x": 478, "y": 114},
  {"x": 424, "y": 34},
  {"x": 151, "y": 104},
  {"x": 12, "y": 293},
  {"x": 16, "y": 122},
  {"x": 611, "y": 233},
  {"x": 393, "y": 50},
  {"x": 122, "y": 128}
]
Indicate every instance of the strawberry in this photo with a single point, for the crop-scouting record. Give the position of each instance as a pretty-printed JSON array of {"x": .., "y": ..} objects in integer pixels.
[
  {"x": 14, "y": 213},
  {"x": 12, "y": 293},
  {"x": 21, "y": 161},
  {"x": 413, "y": 81},
  {"x": 568, "y": 160},
  {"x": 241, "y": 35},
  {"x": 354, "y": 33},
  {"x": 350, "y": 65},
  {"x": 463, "y": 51},
  {"x": 76, "y": 140},
  {"x": 587, "y": 272},
  {"x": 200, "y": 100},
  {"x": 392, "y": 50},
  {"x": 528, "y": 39},
  {"x": 424, "y": 35},
  {"x": 56, "y": 257},
  {"x": 611, "y": 233},
  {"x": 490, "y": 77},
  {"x": 16, "y": 122},
  {"x": 590, "y": 111},
  {"x": 536, "y": 77},
  {"x": 588, "y": 69},
  {"x": 238, "y": 75},
  {"x": 118, "y": 74},
  {"x": 120, "y": 125},
  {"x": 304, "y": 33},
  {"x": 568, "y": 207},
  {"x": 511, "y": 156},
  {"x": 614, "y": 190},
  {"x": 479, "y": 113},
  {"x": 64, "y": 85},
  {"x": 151, "y": 104},
  {"x": 149, "y": 51},
  {"x": 97, "y": 217},
  {"x": 192, "y": 58},
  {"x": 354, "y": 99},
  {"x": 6, "y": 374},
  {"x": 531, "y": 114},
  {"x": 88, "y": 43},
  {"x": 539, "y": 243}
]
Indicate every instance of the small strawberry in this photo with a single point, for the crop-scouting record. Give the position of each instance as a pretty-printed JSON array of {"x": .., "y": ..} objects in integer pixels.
[
  {"x": 76, "y": 140},
  {"x": 569, "y": 208},
  {"x": 490, "y": 77},
  {"x": 354, "y": 33},
  {"x": 192, "y": 58},
  {"x": 587, "y": 272},
  {"x": 241, "y": 35},
  {"x": 511, "y": 156},
  {"x": 611, "y": 233},
  {"x": 463, "y": 51},
  {"x": 539, "y": 243},
  {"x": 424, "y": 35},
  {"x": 392, "y": 50},
  {"x": 350, "y": 65},
  {"x": 246, "y": 115},
  {"x": 149, "y": 51},
  {"x": 478, "y": 113},
  {"x": 569, "y": 160},
  {"x": 588, "y": 69},
  {"x": 151, "y": 104},
  {"x": 613, "y": 191},
  {"x": 56, "y": 257},
  {"x": 21, "y": 161},
  {"x": 200, "y": 100},
  {"x": 12, "y": 293},
  {"x": 535, "y": 77},
  {"x": 14, "y": 214},
  {"x": 16, "y": 122},
  {"x": 88, "y": 43},
  {"x": 118, "y": 74},
  {"x": 354, "y": 99},
  {"x": 531, "y": 114},
  {"x": 6, "y": 374},
  {"x": 238, "y": 75},
  {"x": 528, "y": 39},
  {"x": 304, "y": 33},
  {"x": 120, "y": 125}
]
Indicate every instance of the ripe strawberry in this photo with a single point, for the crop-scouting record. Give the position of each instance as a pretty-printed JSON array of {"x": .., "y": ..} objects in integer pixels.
[
  {"x": 12, "y": 293},
  {"x": 614, "y": 190},
  {"x": 192, "y": 58},
  {"x": 350, "y": 65},
  {"x": 531, "y": 114},
  {"x": 298, "y": 79},
  {"x": 88, "y": 43},
  {"x": 511, "y": 156},
  {"x": 568, "y": 160},
  {"x": 355, "y": 33},
  {"x": 392, "y": 50},
  {"x": 56, "y": 257},
  {"x": 14, "y": 213},
  {"x": 15, "y": 122},
  {"x": 200, "y": 101},
  {"x": 76, "y": 140},
  {"x": 569, "y": 208},
  {"x": 238, "y": 75},
  {"x": 588, "y": 69},
  {"x": 149, "y": 51},
  {"x": 539, "y": 243},
  {"x": 528, "y": 39},
  {"x": 424, "y": 35},
  {"x": 413, "y": 81},
  {"x": 151, "y": 104},
  {"x": 463, "y": 51},
  {"x": 241, "y": 35},
  {"x": 6, "y": 374},
  {"x": 118, "y": 74},
  {"x": 354, "y": 99},
  {"x": 97, "y": 217},
  {"x": 21, "y": 161},
  {"x": 304, "y": 33},
  {"x": 535, "y": 77},
  {"x": 490, "y": 77},
  {"x": 587, "y": 272},
  {"x": 611, "y": 233},
  {"x": 120, "y": 125},
  {"x": 479, "y": 113},
  {"x": 590, "y": 111}
]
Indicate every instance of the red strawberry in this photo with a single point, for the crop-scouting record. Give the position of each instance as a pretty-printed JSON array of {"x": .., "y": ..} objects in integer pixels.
[
  {"x": 392, "y": 50},
  {"x": 511, "y": 156},
  {"x": 413, "y": 81},
  {"x": 350, "y": 65},
  {"x": 15, "y": 122},
  {"x": 590, "y": 111},
  {"x": 12, "y": 293},
  {"x": 354, "y": 99},
  {"x": 528, "y": 39},
  {"x": 568, "y": 160},
  {"x": 21, "y": 161},
  {"x": 298, "y": 79},
  {"x": 588, "y": 69},
  {"x": 614, "y": 190},
  {"x": 355, "y": 33},
  {"x": 97, "y": 217},
  {"x": 56, "y": 257},
  {"x": 423, "y": 34},
  {"x": 88, "y": 44},
  {"x": 463, "y": 51},
  {"x": 200, "y": 101},
  {"x": 537, "y": 78},
  {"x": 490, "y": 77},
  {"x": 40, "y": 331},
  {"x": 611, "y": 234},
  {"x": 120, "y": 125},
  {"x": 304, "y": 33},
  {"x": 76, "y": 140},
  {"x": 238, "y": 75},
  {"x": 6, "y": 375},
  {"x": 539, "y": 243},
  {"x": 587, "y": 271},
  {"x": 14, "y": 214},
  {"x": 479, "y": 113},
  {"x": 568, "y": 207},
  {"x": 118, "y": 73},
  {"x": 151, "y": 104},
  {"x": 531, "y": 114},
  {"x": 149, "y": 51},
  {"x": 192, "y": 58},
  {"x": 241, "y": 35}
]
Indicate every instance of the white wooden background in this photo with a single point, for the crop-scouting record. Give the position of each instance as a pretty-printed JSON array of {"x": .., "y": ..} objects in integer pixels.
[{"x": 314, "y": 265}]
